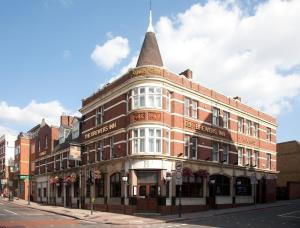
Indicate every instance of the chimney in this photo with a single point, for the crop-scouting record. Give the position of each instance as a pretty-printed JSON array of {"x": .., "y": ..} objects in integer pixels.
[
  {"x": 188, "y": 74},
  {"x": 237, "y": 98}
]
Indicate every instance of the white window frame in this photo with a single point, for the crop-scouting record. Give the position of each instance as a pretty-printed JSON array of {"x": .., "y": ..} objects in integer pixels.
[
  {"x": 225, "y": 154},
  {"x": 99, "y": 115},
  {"x": 215, "y": 153},
  {"x": 156, "y": 138},
  {"x": 249, "y": 152},
  {"x": 187, "y": 106},
  {"x": 168, "y": 101},
  {"x": 226, "y": 117},
  {"x": 149, "y": 91},
  {"x": 255, "y": 130},
  {"x": 193, "y": 147},
  {"x": 216, "y": 116},
  {"x": 112, "y": 147},
  {"x": 269, "y": 161},
  {"x": 99, "y": 150},
  {"x": 240, "y": 124},
  {"x": 240, "y": 156},
  {"x": 256, "y": 158},
  {"x": 248, "y": 127},
  {"x": 186, "y": 146},
  {"x": 194, "y": 109},
  {"x": 268, "y": 132}
]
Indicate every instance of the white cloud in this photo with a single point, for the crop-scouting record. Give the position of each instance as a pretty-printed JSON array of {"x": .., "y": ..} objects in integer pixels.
[
  {"x": 237, "y": 54},
  {"x": 111, "y": 52},
  {"x": 67, "y": 54},
  {"x": 24, "y": 118}
]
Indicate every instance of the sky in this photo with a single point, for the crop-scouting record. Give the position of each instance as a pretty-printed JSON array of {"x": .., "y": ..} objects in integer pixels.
[{"x": 54, "y": 53}]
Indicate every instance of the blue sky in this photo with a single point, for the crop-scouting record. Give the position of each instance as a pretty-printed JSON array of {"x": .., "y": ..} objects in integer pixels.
[{"x": 46, "y": 46}]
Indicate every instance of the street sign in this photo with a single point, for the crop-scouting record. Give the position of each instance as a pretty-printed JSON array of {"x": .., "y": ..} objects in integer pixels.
[
  {"x": 24, "y": 177},
  {"x": 178, "y": 167}
]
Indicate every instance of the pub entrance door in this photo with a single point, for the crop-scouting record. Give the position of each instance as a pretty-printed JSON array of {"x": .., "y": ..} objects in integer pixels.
[{"x": 147, "y": 191}]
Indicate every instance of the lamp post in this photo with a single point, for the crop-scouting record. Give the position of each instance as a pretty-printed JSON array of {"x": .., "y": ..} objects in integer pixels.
[{"x": 125, "y": 180}]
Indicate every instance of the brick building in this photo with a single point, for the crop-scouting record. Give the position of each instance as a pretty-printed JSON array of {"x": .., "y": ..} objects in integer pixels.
[
  {"x": 56, "y": 165},
  {"x": 7, "y": 148},
  {"x": 137, "y": 128},
  {"x": 24, "y": 181},
  {"x": 288, "y": 157}
]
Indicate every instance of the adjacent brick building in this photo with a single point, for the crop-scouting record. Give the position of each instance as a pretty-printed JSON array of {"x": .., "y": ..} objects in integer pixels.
[
  {"x": 7, "y": 148},
  {"x": 288, "y": 157}
]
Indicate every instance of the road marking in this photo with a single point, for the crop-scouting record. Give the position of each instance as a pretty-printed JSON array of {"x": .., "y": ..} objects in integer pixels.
[
  {"x": 10, "y": 211},
  {"x": 289, "y": 215}
]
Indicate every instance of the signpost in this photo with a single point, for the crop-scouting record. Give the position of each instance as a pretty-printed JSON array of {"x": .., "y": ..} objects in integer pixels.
[
  {"x": 24, "y": 177},
  {"x": 178, "y": 167}
]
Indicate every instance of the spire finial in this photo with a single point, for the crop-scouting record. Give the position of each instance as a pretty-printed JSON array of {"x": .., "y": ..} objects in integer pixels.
[{"x": 150, "y": 27}]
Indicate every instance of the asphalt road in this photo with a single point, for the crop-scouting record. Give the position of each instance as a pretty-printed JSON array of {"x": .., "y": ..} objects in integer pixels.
[{"x": 12, "y": 215}]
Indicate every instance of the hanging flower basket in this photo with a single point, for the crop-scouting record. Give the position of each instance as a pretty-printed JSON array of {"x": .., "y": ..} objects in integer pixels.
[
  {"x": 52, "y": 180},
  {"x": 202, "y": 173},
  {"x": 97, "y": 174},
  {"x": 73, "y": 177},
  {"x": 187, "y": 172},
  {"x": 67, "y": 180}
]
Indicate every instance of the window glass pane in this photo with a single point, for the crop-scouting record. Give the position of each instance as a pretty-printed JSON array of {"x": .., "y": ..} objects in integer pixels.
[
  {"x": 151, "y": 101},
  {"x": 158, "y": 145},
  {"x": 142, "y": 101},
  {"x": 151, "y": 132},
  {"x": 142, "y": 132},
  {"x": 158, "y": 133},
  {"x": 151, "y": 145},
  {"x": 151, "y": 90},
  {"x": 142, "y": 145},
  {"x": 142, "y": 90},
  {"x": 135, "y": 133}
]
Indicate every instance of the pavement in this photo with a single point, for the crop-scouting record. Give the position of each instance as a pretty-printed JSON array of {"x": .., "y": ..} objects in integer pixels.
[{"x": 140, "y": 219}]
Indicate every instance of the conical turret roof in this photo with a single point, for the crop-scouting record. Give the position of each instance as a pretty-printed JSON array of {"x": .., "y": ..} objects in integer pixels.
[{"x": 150, "y": 54}]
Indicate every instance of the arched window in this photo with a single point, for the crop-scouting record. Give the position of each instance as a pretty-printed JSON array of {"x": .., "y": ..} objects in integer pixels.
[
  {"x": 219, "y": 185},
  {"x": 99, "y": 187},
  {"x": 243, "y": 186},
  {"x": 115, "y": 185},
  {"x": 192, "y": 184}
]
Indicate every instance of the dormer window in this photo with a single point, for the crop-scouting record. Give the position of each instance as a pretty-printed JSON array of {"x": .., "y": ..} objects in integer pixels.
[
  {"x": 75, "y": 130},
  {"x": 62, "y": 135}
]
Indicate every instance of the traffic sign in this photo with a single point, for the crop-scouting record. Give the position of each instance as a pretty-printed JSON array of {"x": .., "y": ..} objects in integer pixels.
[
  {"x": 24, "y": 177},
  {"x": 178, "y": 167}
]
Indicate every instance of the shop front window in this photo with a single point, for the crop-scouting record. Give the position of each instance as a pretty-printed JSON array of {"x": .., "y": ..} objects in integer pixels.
[
  {"x": 192, "y": 186},
  {"x": 219, "y": 185},
  {"x": 115, "y": 185},
  {"x": 243, "y": 186}
]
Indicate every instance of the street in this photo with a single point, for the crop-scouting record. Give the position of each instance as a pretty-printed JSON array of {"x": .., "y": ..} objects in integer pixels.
[
  {"x": 19, "y": 216},
  {"x": 12, "y": 215}
]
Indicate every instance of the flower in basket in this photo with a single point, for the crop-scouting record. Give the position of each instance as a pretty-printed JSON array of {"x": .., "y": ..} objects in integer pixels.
[
  {"x": 187, "y": 172},
  {"x": 73, "y": 177},
  {"x": 202, "y": 173},
  {"x": 67, "y": 179},
  {"x": 97, "y": 174}
]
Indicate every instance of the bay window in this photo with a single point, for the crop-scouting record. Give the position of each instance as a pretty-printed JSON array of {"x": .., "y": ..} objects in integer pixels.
[
  {"x": 148, "y": 140},
  {"x": 147, "y": 97}
]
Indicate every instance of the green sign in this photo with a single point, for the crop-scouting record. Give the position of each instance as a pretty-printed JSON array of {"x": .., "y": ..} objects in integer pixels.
[{"x": 24, "y": 177}]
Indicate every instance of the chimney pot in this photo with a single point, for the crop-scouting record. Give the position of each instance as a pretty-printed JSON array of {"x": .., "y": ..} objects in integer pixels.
[{"x": 188, "y": 74}]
